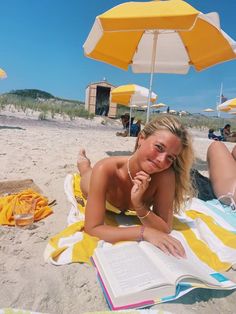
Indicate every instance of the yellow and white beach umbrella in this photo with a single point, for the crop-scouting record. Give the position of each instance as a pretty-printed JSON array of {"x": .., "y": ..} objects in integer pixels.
[
  {"x": 3, "y": 74},
  {"x": 158, "y": 36},
  {"x": 131, "y": 95},
  {"x": 228, "y": 105}
]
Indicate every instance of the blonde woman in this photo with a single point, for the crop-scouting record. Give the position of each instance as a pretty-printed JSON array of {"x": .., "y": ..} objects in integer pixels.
[{"x": 154, "y": 181}]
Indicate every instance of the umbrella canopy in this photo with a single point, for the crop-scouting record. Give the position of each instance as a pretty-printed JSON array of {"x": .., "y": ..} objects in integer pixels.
[
  {"x": 208, "y": 110},
  {"x": 131, "y": 95},
  {"x": 160, "y": 105},
  {"x": 158, "y": 36},
  {"x": 3, "y": 74},
  {"x": 228, "y": 105}
]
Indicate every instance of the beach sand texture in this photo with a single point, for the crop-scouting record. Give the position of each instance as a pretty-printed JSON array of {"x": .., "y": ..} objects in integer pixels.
[{"x": 46, "y": 152}]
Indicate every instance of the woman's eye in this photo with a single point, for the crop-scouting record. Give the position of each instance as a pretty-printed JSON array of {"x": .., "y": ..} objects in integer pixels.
[{"x": 159, "y": 147}]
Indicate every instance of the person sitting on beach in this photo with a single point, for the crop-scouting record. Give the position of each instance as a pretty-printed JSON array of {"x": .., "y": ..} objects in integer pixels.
[
  {"x": 213, "y": 136},
  {"x": 156, "y": 175},
  {"x": 125, "y": 122},
  {"x": 227, "y": 134},
  {"x": 135, "y": 128},
  {"x": 222, "y": 172}
]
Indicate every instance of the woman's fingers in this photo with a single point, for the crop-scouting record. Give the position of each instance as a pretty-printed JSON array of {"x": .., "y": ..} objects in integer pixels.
[
  {"x": 142, "y": 176},
  {"x": 170, "y": 245},
  {"x": 175, "y": 247},
  {"x": 164, "y": 248}
]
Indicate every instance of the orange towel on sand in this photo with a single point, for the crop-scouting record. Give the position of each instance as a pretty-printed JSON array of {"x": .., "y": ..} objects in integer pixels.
[{"x": 42, "y": 209}]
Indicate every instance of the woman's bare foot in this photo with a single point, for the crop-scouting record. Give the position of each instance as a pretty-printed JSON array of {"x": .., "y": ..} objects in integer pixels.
[{"x": 83, "y": 163}]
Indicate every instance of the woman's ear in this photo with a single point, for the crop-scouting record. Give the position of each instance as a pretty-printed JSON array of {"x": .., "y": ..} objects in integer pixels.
[{"x": 140, "y": 139}]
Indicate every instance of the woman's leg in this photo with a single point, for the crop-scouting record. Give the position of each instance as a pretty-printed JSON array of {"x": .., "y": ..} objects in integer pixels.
[
  {"x": 222, "y": 169},
  {"x": 85, "y": 170},
  {"x": 234, "y": 152}
]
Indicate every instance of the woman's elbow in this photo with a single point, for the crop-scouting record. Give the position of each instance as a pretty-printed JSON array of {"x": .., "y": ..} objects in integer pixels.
[
  {"x": 92, "y": 230},
  {"x": 89, "y": 229}
]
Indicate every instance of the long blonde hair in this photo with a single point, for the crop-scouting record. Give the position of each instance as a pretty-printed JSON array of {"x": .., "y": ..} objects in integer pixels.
[{"x": 184, "y": 161}]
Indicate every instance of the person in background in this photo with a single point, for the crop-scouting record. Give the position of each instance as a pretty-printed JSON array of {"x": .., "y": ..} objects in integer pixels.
[
  {"x": 227, "y": 134},
  {"x": 125, "y": 119},
  {"x": 135, "y": 128},
  {"x": 163, "y": 156},
  {"x": 213, "y": 136}
]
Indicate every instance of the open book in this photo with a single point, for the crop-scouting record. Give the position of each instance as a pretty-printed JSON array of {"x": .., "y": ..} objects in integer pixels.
[{"x": 135, "y": 275}]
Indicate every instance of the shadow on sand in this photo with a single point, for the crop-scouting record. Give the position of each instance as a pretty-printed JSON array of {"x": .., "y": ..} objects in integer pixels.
[
  {"x": 11, "y": 127},
  {"x": 119, "y": 153},
  {"x": 202, "y": 295}
]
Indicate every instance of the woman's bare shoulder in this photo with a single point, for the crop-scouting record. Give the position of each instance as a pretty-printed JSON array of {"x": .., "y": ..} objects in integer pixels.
[{"x": 109, "y": 163}]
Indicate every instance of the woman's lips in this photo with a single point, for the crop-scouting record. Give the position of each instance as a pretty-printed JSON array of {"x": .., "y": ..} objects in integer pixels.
[{"x": 153, "y": 165}]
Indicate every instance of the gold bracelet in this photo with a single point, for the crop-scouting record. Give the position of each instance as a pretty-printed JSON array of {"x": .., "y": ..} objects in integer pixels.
[{"x": 142, "y": 217}]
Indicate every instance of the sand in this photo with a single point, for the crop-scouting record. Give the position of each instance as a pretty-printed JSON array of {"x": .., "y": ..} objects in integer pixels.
[{"x": 46, "y": 152}]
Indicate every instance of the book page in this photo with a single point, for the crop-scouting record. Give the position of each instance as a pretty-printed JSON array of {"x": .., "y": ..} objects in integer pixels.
[
  {"x": 128, "y": 269},
  {"x": 178, "y": 268}
]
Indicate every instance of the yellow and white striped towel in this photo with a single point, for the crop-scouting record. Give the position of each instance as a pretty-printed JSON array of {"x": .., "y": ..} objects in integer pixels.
[{"x": 211, "y": 239}]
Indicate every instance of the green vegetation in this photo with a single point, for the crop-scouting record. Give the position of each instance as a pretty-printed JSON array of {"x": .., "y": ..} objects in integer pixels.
[
  {"x": 48, "y": 106},
  {"x": 33, "y": 100},
  {"x": 32, "y": 93}
]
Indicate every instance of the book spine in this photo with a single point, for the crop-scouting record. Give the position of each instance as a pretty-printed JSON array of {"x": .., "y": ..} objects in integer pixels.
[{"x": 111, "y": 305}]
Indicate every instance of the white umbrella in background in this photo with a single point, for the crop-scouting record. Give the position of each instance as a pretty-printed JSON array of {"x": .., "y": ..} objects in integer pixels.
[
  {"x": 131, "y": 95},
  {"x": 157, "y": 106},
  {"x": 208, "y": 110},
  {"x": 158, "y": 37},
  {"x": 3, "y": 74}
]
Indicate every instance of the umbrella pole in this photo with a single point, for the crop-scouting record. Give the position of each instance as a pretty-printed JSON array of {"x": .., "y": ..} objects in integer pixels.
[
  {"x": 154, "y": 48},
  {"x": 130, "y": 111}
]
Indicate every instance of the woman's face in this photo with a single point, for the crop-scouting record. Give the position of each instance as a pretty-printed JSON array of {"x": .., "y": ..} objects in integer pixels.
[{"x": 158, "y": 151}]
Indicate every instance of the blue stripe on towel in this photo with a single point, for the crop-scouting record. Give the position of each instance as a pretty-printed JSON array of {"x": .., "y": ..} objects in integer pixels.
[
  {"x": 228, "y": 215},
  {"x": 219, "y": 277}
]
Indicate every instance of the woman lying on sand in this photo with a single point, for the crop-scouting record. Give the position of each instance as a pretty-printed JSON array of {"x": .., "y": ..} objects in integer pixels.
[
  {"x": 156, "y": 176},
  {"x": 222, "y": 172}
]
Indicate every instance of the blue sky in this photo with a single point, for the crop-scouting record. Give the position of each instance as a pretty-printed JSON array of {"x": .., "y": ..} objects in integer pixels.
[{"x": 41, "y": 48}]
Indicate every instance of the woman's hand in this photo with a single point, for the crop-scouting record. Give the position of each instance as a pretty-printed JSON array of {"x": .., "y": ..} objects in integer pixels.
[
  {"x": 141, "y": 182},
  {"x": 164, "y": 242}
]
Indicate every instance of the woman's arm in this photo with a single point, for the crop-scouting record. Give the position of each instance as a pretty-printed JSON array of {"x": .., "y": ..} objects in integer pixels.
[{"x": 161, "y": 218}]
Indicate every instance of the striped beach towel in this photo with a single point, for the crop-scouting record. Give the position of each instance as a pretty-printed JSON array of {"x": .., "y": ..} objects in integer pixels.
[{"x": 207, "y": 231}]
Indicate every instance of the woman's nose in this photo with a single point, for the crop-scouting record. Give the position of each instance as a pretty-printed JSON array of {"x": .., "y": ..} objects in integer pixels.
[{"x": 161, "y": 158}]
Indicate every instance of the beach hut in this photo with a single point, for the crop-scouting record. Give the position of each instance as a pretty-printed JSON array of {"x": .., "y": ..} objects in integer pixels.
[{"x": 97, "y": 99}]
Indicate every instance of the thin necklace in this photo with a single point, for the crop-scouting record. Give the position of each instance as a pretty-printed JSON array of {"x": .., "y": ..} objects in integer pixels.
[{"x": 128, "y": 168}]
